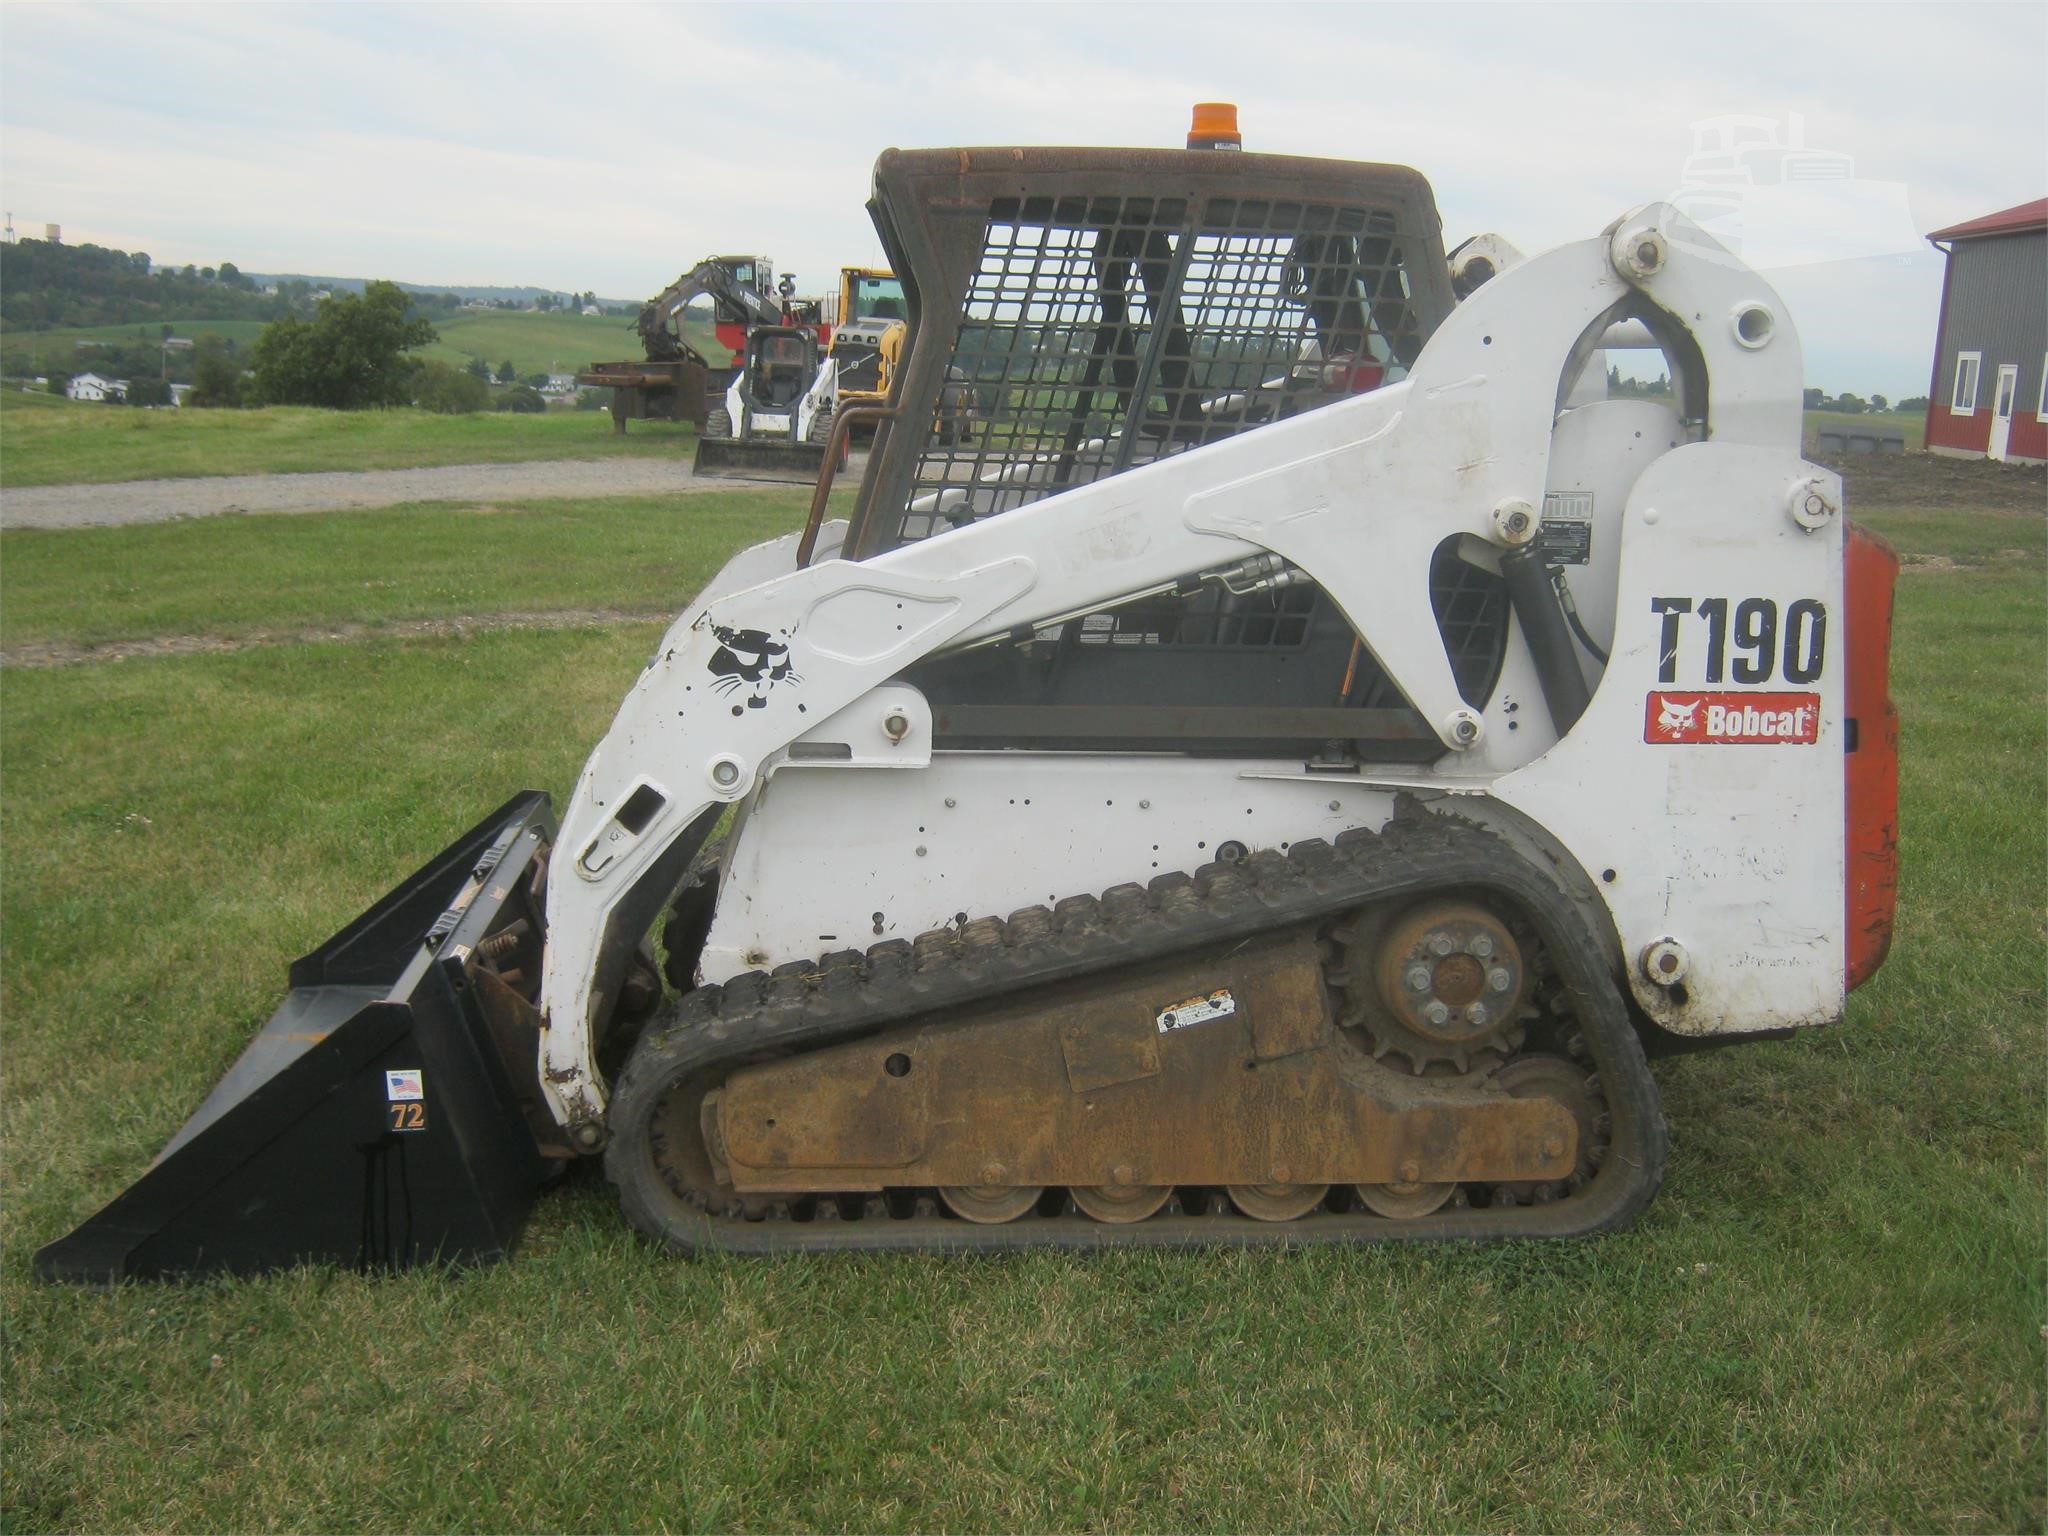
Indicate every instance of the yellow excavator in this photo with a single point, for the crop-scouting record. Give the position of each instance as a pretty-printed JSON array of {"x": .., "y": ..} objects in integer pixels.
[{"x": 871, "y": 308}]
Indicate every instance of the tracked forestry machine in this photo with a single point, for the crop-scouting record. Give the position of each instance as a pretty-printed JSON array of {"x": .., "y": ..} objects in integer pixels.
[{"x": 1268, "y": 785}]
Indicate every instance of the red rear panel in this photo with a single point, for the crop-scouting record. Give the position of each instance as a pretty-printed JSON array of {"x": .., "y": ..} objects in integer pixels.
[{"x": 1870, "y": 569}]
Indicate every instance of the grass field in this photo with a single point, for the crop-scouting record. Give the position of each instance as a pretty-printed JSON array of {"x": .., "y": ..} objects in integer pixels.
[
  {"x": 28, "y": 353},
  {"x": 1831, "y": 1318},
  {"x": 47, "y": 441},
  {"x": 642, "y": 555},
  {"x": 535, "y": 342}
]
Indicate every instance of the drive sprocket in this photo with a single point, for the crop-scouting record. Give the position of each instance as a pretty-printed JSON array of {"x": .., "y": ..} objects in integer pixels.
[{"x": 1442, "y": 986}]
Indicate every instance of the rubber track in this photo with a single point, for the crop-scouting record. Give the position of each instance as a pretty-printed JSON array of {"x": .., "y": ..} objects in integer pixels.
[{"x": 805, "y": 1006}]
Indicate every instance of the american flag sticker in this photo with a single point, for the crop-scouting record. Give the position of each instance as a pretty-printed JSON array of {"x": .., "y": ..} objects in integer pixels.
[{"x": 404, "y": 1083}]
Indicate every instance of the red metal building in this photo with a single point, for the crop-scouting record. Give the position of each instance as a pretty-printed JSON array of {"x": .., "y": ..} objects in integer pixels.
[{"x": 1987, "y": 398}]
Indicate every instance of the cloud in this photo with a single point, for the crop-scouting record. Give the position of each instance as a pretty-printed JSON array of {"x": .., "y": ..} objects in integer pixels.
[{"x": 610, "y": 147}]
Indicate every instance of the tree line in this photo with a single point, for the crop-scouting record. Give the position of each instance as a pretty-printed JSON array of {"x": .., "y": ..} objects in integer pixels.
[
  {"x": 357, "y": 351},
  {"x": 48, "y": 286},
  {"x": 1856, "y": 405},
  {"x": 355, "y": 354},
  {"x": 44, "y": 284}
]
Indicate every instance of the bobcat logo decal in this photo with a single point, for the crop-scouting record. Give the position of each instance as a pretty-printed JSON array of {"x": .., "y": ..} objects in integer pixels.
[
  {"x": 750, "y": 661},
  {"x": 1674, "y": 716}
]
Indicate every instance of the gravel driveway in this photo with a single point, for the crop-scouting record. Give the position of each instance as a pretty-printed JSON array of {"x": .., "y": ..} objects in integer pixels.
[{"x": 156, "y": 501}]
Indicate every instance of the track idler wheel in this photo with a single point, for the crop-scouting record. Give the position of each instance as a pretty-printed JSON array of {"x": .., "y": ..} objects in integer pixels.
[{"x": 1555, "y": 1077}]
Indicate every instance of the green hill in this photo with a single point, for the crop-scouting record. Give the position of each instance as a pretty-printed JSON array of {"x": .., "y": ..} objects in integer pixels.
[
  {"x": 25, "y": 353},
  {"x": 44, "y": 284},
  {"x": 536, "y": 341}
]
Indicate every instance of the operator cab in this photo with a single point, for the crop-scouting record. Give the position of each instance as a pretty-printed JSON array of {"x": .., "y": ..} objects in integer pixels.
[{"x": 781, "y": 362}]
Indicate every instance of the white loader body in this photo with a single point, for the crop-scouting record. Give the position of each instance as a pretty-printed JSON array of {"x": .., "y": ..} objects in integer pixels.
[{"x": 1712, "y": 563}]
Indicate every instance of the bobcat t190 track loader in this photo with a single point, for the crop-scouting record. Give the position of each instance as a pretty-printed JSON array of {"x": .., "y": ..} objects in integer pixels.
[{"x": 1161, "y": 821}]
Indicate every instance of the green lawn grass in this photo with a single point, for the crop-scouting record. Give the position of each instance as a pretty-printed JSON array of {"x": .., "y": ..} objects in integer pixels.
[
  {"x": 60, "y": 442},
  {"x": 1831, "y": 1317},
  {"x": 236, "y": 576}
]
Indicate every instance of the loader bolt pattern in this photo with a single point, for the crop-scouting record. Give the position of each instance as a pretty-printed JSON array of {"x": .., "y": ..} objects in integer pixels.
[
  {"x": 657, "y": 1157},
  {"x": 1469, "y": 997}
]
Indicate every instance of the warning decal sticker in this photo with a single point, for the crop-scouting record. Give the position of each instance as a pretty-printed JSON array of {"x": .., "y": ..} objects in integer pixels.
[
  {"x": 1197, "y": 1010},
  {"x": 1674, "y": 717}
]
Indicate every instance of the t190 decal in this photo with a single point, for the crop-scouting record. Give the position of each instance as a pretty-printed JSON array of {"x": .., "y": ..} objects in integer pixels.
[{"x": 1763, "y": 646}]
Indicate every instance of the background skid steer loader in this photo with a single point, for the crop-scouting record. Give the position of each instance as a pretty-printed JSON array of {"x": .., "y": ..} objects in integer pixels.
[
  {"x": 1227, "y": 800},
  {"x": 777, "y": 415}
]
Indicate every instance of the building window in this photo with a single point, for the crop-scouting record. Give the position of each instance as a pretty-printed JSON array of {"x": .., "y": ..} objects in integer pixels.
[
  {"x": 1963, "y": 401},
  {"x": 2041, "y": 405}
]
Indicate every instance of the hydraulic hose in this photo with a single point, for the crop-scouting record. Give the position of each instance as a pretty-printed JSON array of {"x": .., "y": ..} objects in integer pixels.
[{"x": 1534, "y": 597}]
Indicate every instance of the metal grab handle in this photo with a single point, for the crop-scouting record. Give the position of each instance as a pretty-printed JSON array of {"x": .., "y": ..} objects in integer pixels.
[{"x": 842, "y": 427}]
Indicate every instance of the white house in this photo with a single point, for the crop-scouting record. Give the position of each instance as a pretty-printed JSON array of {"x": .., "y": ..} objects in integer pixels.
[
  {"x": 560, "y": 386},
  {"x": 90, "y": 386},
  {"x": 592, "y": 309}
]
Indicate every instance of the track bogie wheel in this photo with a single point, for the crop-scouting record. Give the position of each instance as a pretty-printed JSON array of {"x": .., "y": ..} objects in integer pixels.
[
  {"x": 1120, "y": 1203},
  {"x": 1277, "y": 1202},
  {"x": 1405, "y": 1202},
  {"x": 990, "y": 1204}
]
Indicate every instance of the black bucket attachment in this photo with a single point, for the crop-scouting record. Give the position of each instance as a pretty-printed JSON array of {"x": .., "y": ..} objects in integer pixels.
[
  {"x": 777, "y": 460},
  {"x": 377, "y": 1119}
]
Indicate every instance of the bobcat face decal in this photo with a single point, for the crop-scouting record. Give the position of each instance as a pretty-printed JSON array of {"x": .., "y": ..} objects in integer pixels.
[
  {"x": 1673, "y": 715},
  {"x": 749, "y": 662}
]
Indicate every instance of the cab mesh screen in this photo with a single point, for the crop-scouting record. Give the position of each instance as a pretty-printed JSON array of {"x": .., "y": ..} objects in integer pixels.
[{"x": 1102, "y": 333}]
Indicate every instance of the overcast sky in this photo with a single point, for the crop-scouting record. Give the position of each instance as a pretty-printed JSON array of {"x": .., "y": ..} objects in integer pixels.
[{"x": 607, "y": 147}]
